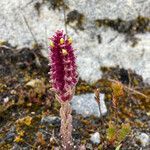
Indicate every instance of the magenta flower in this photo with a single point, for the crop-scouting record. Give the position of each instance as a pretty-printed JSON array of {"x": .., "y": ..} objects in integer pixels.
[{"x": 63, "y": 69}]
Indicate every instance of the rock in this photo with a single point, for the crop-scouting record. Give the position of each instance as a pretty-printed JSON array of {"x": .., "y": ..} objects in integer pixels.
[
  {"x": 95, "y": 138},
  {"x": 10, "y": 137},
  {"x": 89, "y": 146},
  {"x": 6, "y": 100},
  {"x": 144, "y": 139},
  {"x": 148, "y": 113},
  {"x": 51, "y": 120},
  {"x": 37, "y": 84},
  {"x": 86, "y": 105},
  {"x": 16, "y": 17},
  {"x": 25, "y": 148},
  {"x": 18, "y": 147},
  {"x": 113, "y": 9}
]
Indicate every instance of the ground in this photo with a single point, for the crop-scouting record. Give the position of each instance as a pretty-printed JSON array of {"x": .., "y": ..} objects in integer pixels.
[{"x": 26, "y": 99}]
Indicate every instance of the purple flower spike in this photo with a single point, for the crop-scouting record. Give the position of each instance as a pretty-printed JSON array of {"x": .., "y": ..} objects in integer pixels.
[{"x": 63, "y": 69}]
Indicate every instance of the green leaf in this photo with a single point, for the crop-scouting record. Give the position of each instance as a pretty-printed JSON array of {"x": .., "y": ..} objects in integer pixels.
[
  {"x": 111, "y": 132},
  {"x": 118, "y": 147},
  {"x": 123, "y": 132}
]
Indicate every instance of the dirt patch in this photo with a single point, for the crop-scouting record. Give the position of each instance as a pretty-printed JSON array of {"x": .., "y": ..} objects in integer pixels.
[{"x": 25, "y": 91}]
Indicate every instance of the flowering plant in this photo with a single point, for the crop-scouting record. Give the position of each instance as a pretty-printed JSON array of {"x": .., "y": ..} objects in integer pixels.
[{"x": 63, "y": 76}]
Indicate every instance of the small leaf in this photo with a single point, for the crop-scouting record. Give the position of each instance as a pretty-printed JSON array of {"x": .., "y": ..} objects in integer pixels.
[
  {"x": 118, "y": 147},
  {"x": 117, "y": 88},
  {"x": 123, "y": 132},
  {"x": 21, "y": 133},
  {"x": 18, "y": 139},
  {"x": 111, "y": 132},
  {"x": 27, "y": 120}
]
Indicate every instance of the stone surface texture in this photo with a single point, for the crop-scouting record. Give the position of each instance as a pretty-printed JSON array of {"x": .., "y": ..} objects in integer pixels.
[
  {"x": 18, "y": 18},
  {"x": 95, "y": 138},
  {"x": 54, "y": 120},
  {"x": 86, "y": 105}
]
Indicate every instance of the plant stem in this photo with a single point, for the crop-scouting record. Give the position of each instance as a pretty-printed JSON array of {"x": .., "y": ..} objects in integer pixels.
[
  {"x": 130, "y": 89},
  {"x": 101, "y": 115},
  {"x": 66, "y": 125}
]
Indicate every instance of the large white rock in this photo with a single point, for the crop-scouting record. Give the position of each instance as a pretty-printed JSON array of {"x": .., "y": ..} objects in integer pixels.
[
  {"x": 86, "y": 105},
  {"x": 111, "y": 52},
  {"x": 114, "y": 50},
  {"x": 125, "y": 9}
]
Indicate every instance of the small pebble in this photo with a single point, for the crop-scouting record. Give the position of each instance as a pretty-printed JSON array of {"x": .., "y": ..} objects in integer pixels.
[
  {"x": 95, "y": 138},
  {"x": 144, "y": 139},
  {"x": 6, "y": 99},
  {"x": 10, "y": 137},
  {"x": 54, "y": 120},
  {"x": 33, "y": 113}
]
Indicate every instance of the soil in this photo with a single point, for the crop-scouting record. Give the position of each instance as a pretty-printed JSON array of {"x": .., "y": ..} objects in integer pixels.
[{"x": 25, "y": 92}]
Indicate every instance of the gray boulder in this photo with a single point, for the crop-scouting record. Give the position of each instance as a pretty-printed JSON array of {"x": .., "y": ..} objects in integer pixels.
[
  {"x": 86, "y": 105},
  {"x": 22, "y": 24}
]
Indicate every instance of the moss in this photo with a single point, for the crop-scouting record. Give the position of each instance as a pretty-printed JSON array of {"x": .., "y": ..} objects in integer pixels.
[
  {"x": 129, "y": 28},
  {"x": 5, "y": 146},
  {"x": 15, "y": 85},
  {"x": 77, "y": 18},
  {"x": 56, "y": 106},
  {"x": 56, "y": 4},
  {"x": 37, "y": 7},
  {"x": 138, "y": 25}
]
